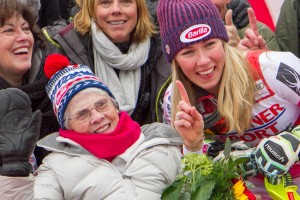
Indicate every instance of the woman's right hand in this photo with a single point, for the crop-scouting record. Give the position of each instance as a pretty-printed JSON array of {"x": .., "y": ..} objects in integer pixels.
[{"x": 189, "y": 122}]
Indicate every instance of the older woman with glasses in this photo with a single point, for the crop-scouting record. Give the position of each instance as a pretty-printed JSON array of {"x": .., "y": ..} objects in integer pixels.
[{"x": 99, "y": 152}]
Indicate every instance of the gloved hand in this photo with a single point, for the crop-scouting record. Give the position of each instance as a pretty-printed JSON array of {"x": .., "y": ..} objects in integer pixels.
[
  {"x": 239, "y": 12},
  {"x": 296, "y": 132},
  {"x": 248, "y": 167},
  {"x": 19, "y": 131},
  {"x": 275, "y": 155},
  {"x": 239, "y": 150},
  {"x": 215, "y": 148}
]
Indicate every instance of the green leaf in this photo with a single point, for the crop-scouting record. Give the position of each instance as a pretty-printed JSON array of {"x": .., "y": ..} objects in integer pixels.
[
  {"x": 193, "y": 187},
  {"x": 227, "y": 148},
  {"x": 200, "y": 179},
  {"x": 231, "y": 164},
  {"x": 204, "y": 192},
  {"x": 240, "y": 160},
  {"x": 185, "y": 196},
  {"x": 173, "y": 191}
]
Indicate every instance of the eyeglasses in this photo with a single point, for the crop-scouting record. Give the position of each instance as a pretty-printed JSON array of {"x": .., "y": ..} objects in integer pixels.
[{"x": 100, "y": 106}]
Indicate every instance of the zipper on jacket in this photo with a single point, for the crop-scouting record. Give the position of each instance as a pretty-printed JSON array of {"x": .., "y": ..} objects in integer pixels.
[{"x": 129, "y": 187}]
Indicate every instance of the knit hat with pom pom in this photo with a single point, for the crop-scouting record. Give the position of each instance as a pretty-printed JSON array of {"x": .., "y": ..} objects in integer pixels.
[{"x": 66, "y": 80}]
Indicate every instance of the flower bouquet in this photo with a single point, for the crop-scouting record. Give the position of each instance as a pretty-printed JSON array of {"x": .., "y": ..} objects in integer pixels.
[{"x": 202, "y": 178}]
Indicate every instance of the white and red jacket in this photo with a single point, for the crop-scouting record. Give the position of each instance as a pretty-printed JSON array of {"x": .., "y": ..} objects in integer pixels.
[{"x": 277, "y": 98}]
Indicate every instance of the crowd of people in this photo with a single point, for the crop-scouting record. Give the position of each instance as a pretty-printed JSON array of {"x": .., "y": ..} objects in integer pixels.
[{"x": 106, "y": 106}]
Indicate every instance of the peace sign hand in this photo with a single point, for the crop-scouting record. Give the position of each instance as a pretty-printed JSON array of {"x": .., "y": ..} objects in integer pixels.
[
  {"x": 252, "y": 39},
  {"x": 189, "y": 122}
]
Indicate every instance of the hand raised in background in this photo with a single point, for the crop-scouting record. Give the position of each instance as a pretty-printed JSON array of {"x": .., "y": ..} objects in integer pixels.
[
  {"x": 234, "y": 38},
  {"x": 19, "y": 131},
  {"x": 252, "y": 39},
  {"x": 239, "y": 15}
]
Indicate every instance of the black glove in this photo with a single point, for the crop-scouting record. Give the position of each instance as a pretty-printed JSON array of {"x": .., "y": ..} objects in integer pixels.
[
  {"x": 239, "y": 12},
  {"x": 215, "y": 148},
  {"x": 19, "y": 131}
]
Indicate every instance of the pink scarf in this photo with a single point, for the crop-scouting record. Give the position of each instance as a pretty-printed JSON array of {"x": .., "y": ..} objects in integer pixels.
[{"x": 108, "y": 146}]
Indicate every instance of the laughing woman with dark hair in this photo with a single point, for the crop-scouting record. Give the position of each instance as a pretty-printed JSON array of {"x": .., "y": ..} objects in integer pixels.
[{"x": 22, "y": 48}]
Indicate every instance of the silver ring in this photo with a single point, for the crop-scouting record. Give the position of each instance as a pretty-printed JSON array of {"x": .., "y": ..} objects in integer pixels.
[{"x": 177, "y": 116}]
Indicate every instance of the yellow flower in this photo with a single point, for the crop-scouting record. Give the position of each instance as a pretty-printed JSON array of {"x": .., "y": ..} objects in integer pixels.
[{"x": 238, "y": 191}]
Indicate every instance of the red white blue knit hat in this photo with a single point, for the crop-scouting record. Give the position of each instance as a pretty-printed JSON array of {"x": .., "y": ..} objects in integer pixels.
[
  {"x": 67, "y": 80},
  {"x": 185, "y": 22}
]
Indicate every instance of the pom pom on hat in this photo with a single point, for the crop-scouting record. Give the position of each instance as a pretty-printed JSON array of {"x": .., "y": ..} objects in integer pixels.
[
  {"x": 66, "y": 80},
  {"x": 54, "y": 63}
]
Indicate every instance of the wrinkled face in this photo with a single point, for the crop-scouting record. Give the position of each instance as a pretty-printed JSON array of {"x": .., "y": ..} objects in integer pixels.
[
  {"x": 16, "y": 45},
  {"x": 221, "y": 5},
  {"x": 117, "y": 18},
  {"x": 203, "y": 63},
  {"x": 91, "y": 112}
]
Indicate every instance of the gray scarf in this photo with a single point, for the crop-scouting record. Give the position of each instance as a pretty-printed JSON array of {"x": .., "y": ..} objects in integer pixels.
[{"x": 125, "y": 88}]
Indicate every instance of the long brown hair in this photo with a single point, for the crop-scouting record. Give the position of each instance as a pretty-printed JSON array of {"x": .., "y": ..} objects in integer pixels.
[{"x": 8, "y": 8}]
